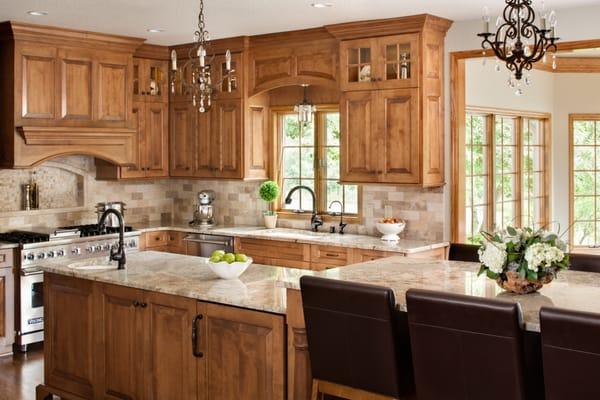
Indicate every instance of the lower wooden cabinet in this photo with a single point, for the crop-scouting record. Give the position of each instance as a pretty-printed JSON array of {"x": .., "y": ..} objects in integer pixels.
[
  {"x": 275, "y": 252},
  {"x": 112, "y": 342}
]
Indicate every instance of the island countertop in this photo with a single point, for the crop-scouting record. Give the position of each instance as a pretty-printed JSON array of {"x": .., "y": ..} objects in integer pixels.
[{"x": 365, "y": 242}]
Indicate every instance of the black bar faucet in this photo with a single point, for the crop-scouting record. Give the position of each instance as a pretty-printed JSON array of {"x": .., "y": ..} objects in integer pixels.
[
  {"x": 117, "y": 254},
  {"x": 315, "y": 221},
  {"x": 342, "y": 224}
]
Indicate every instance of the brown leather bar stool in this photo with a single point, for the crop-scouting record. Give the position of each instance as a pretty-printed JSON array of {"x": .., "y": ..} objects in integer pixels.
[
  {"x": 584, "y": 262},
  {"x": 465, "y": 347},
  {"x": 463, "y": 252},
  {"x": 357, "y": 340},
  {"x": 571, "y": 353}
]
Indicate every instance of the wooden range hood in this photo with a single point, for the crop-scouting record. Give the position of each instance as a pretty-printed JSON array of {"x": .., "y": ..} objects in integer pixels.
[{"x": 65, "y": 92}]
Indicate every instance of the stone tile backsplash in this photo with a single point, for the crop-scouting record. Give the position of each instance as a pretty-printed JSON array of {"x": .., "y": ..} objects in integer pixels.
[{"x": 70, "y": 192}]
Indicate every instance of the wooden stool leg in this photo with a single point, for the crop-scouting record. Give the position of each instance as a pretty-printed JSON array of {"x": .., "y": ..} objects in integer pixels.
[{"x": 315, "y": 390}]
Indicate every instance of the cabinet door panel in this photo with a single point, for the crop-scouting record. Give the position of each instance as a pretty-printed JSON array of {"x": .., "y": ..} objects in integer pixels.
[
  {"x": 396, "y": 53},
  {"x": 183, "y": 119},
  {"x": 113, "y": 88},
  {"x": 69, "y": 334},
  {"x": 76, "y": 76},
  {"x": 120, "y": 345},
  {"x": 38, "y": 91},
  {"x": 358, "y": 68},
  {"x": 360, "y": 141},
  {"x": 157, "y": 139},
  {"x": 399, "y": 110},
  {"x": 206, "y": 150},
  {"x": 270, "y": 66},
  {"x": 228, "y": 138},
  {"x": 138, "y": 124},
  {"x": 244, "y": 354},
  {"x": 256, "y": 140},
  {"x": 171, "y": 366},
  {"x": 156, "y": 81}
]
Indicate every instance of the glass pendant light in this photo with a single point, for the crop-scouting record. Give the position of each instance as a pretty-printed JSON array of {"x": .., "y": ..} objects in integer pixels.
[{"x": 305, "y": 110}]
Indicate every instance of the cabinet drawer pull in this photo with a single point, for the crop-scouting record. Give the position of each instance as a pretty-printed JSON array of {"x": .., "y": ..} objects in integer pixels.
[
  {"x": 332, "y": 255},
  {"x": 136, "y": 303},
  {"x": 195, "y": 351}
]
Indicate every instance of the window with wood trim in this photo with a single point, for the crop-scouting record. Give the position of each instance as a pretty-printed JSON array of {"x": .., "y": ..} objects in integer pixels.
[
  {"x": 584, "y": 199},
  {"x": 309, "y": 155},
  {"x": 504, "y": 176}
]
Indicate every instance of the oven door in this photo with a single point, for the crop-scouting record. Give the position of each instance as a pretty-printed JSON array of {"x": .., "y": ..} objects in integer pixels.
[{"x": 31, "y": 300}]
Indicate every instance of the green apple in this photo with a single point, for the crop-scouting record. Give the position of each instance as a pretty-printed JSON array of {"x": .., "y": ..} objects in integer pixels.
[
  {"x": 217, "y": 253},
  {"x": 229, "y": 258},
  {"x": 241, "y": 257},
  {"x": 215, "y": 258}
]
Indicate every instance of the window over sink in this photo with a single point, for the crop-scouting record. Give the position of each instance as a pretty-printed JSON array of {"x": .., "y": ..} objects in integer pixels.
[{"x": 309, "y": 154}]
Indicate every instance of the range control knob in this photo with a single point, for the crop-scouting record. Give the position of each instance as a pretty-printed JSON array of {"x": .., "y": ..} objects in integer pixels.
[
  {"x": 89, "y": 249},
  {"x": 50, "y": 254},
  {"x": 30, "y": 256},
  {"x": 41, "y": 256},
  {"x": 106, "y": 247},
  {"x": 75, "y": 251},
  {"x": 132, "y": 243},
  {"x": 97, "y": 248},
  {"x": 60, "y": 253}
]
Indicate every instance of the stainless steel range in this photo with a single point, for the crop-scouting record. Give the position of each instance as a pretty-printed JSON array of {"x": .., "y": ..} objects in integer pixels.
[{"x": 44, "y": 246}]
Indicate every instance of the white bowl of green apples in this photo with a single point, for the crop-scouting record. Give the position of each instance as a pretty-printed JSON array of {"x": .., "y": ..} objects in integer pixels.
[{"x": 228, "y": 265}]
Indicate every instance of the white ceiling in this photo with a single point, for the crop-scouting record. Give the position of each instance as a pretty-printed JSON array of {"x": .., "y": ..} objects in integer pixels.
[{"x": 226, "y": 18}]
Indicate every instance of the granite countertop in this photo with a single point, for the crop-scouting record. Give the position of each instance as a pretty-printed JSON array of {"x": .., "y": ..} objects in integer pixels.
[
  {"x": 300, "y": 236},
  {"x": 571, "y": 290},
  {"x": 187, "y": 276},
  {"x": 6, "y": 245}
]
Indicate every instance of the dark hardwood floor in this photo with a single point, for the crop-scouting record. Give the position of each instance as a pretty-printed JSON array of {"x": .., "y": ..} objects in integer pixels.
[{"x": 20, "y": 374}]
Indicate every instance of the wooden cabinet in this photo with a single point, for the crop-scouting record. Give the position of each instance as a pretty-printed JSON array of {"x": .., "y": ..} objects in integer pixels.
[
  {"x": 226, "y": 143},
  {"x": 150, "y": 80},
  {"x": 325, "y": 257},
  {"x": 113, "y": 342},
  {"x": 152, "y": 122},
  {"x": 7, "y": 302},
  {"x": 244, "y": 354},
  {"x": 379, "y": 63},
  {"x": 69, "y": 334},
  {"x": 182, "y": 145},
  {"x": 157, "y": 240},
  {"x": 76, "y": 70},
  {"x": 37, "y": 91},
  {"x": 391, "y": 109},
  {"x": 275, "y": 252}
]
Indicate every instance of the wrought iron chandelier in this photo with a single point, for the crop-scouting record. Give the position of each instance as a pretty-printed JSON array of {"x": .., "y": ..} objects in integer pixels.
[
  {"x": 518, "y": 41},
  {"x": 201, "y": 85}
]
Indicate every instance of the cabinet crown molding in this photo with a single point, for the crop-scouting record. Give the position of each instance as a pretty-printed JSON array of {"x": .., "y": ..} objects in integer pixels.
[
  {"x": 389, "y": 26},
  {"x": 12, "y": 30}
]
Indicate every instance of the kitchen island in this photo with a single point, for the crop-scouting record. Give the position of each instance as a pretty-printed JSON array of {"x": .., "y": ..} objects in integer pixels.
[{"x": 168, "y": 328}]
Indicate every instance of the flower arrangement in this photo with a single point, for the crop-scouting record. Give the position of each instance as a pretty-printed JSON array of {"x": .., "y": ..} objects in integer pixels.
[{"x": 522, "y": 260}]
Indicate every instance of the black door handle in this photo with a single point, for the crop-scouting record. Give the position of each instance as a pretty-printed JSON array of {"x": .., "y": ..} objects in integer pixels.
[{"x": 195, "y": 351}]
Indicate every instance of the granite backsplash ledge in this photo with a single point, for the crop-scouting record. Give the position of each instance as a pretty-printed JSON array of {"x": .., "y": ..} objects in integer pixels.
[{"x": 71, "y": 189}]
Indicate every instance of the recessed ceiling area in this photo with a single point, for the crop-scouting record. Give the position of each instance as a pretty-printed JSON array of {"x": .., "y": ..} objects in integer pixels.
[{"x": 224, "y": 18}]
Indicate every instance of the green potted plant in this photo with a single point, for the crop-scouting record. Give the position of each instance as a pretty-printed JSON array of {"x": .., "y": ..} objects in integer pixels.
[{"x": 269, "y": 191}]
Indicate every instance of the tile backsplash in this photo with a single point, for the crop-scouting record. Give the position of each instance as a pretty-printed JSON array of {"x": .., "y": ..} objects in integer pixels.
[{"x": 70, "y": 192}]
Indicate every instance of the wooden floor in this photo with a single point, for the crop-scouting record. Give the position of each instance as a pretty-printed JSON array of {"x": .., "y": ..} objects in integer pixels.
[{"x": 20, "y": 374}]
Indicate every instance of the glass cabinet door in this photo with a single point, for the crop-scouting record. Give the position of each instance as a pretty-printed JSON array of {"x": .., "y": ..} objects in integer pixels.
[
  {"x": 137, "y": 79},
  {"x": 399, "y": 61},
  {"x": 156, "y": 85},
  {"x": 357, "y": 64}
]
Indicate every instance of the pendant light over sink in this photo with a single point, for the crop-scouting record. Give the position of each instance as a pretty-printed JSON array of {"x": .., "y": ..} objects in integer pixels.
[
  {"x": 201, "y": 85},
  {"x": 305, "y": 109},
  {"x": 518, "y": 41}
]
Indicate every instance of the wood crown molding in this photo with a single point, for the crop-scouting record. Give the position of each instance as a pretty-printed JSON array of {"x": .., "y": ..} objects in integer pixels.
[
  {"x": 291, "y": 37},
  {"x": 389, "y": 26},
  {"x": 11, "y": 30},
  {"x": 153, "y": 51}
]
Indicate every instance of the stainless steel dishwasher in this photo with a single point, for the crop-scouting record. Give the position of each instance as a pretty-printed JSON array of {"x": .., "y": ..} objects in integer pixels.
[{"x": 203, "y": 245}]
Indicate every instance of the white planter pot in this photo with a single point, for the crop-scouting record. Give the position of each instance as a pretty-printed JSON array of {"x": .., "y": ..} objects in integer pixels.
[{"x": 270, "y": 221}]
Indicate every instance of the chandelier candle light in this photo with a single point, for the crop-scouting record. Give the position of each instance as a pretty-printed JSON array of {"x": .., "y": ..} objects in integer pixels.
[
  {"x": 201, "y": 86},
  {"x": 518, "y": 41}
]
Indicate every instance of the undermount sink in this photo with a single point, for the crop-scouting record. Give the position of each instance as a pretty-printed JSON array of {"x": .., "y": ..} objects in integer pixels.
[
  {"x": 296, "y": 233},
  {"x": 102, "y": 264}
]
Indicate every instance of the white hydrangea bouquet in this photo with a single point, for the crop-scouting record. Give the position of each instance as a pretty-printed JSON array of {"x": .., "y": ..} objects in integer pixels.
[{"x": 522, "y": 260}]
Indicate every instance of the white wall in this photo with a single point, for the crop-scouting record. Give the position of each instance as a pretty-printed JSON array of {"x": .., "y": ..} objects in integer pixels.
[{"x": 573, "y": 24}]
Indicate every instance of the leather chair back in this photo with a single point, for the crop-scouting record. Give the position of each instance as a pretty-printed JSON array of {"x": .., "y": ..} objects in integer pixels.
[
  {"x": 465, "y": 347},
  {"x": 463, "y": 252},
  {"x": 584, "y": 262},
  {"x": 356, "y": 337},
  {"x": 571, "y": 353}
]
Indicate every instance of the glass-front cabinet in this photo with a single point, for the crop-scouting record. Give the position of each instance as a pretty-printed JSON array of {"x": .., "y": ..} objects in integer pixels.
[
  {"x": 380, "y": 63},
  {"x": 150, "y": 80}
]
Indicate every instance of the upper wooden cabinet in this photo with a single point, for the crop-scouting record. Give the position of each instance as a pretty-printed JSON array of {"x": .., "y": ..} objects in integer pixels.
[
  {"x": 69, "y": 93},
  {"x": 309, "y": 56},
  {"x": 379, "y": 63},
  {"x": 150, "y": 80},
  {"x": 391, "y": 109}
]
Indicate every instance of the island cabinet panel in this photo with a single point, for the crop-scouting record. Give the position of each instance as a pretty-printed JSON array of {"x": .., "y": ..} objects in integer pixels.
[
  {"x": 244, "y": 354},
  {"x": 69, "y": 334},
  {"x": 170, "y": 367},
  {"x": 120, "y": 348}
]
